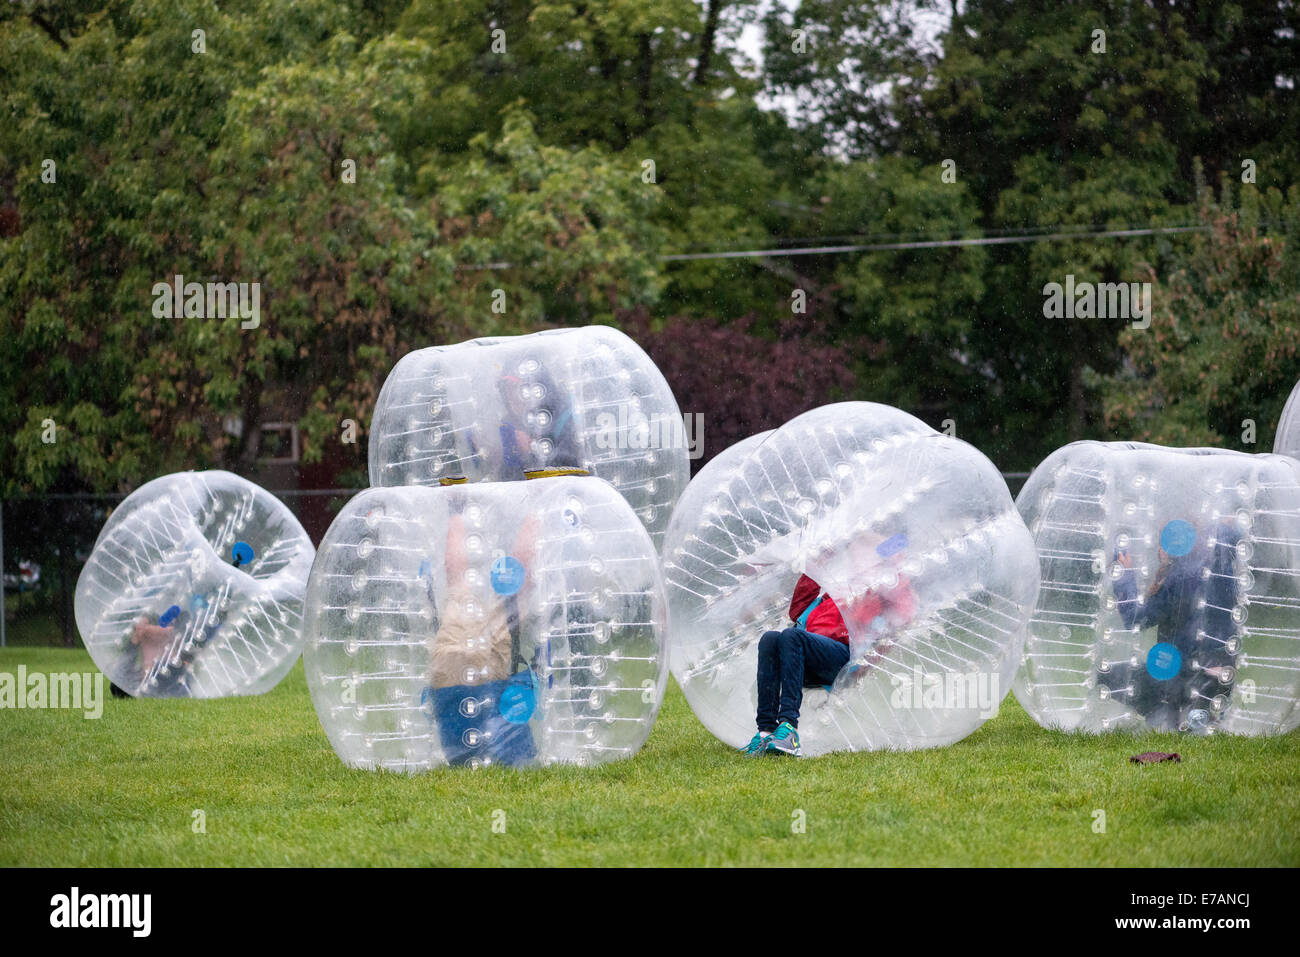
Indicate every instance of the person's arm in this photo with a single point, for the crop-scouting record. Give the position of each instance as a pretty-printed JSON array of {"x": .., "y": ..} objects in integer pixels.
[
  {"x": 525, "y": 539},
  {"x": 511, "y": 460},
  {"x": 525, "y": 549},
  {"x": 1126, "y": 590},
  {"x": 1223, "y": 570},
  {"x": 1141, "y": 614},
  {"x": 455, "y": 560},
  {"x": 153, "y": 640},
  {"x": 1161, "y": 601},
  {"x": 900, "y": 604}
]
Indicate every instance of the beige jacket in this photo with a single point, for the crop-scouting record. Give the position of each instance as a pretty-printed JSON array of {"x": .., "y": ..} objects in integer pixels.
[{"x": 470, "y": 648}]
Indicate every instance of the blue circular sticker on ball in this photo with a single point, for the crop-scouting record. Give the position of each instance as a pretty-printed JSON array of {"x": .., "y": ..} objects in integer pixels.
[
  {"x": 517, "y": 702},
  {"x": 1177, "y": 538},
  {"x": 242, "y": 553},
  {"x": 507, "y": 575},
  {"x": 1163, "y": 661}
]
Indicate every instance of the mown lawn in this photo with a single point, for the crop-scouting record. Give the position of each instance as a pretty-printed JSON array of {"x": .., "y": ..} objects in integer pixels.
[{"x": 124, "y": 789}]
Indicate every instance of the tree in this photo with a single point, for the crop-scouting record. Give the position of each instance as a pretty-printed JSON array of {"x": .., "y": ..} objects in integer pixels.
[
  {"x": 171, "y": 162},
  {"x": 915, "y": 306},
  {"x": 839, "y": 60},
  {"x": 1223, "y": 349},
  {"x": 1054, "y": 127},
  {"x": 741, "y": 383},
  {"x": 654, "y": 83}
]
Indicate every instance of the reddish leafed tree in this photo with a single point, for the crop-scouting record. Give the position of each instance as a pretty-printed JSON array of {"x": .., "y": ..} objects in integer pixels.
[{"x": 740, "y": 380}]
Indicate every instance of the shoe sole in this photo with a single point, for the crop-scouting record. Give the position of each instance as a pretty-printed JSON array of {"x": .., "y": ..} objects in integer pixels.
[{"x": 771, "y": 749}]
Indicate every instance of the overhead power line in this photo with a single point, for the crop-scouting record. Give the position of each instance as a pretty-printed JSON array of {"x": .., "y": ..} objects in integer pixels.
[
  {"x": 928, "y": 244},
  {"x": 914, "y": 244},
  {"x": 918, "y": 235}
]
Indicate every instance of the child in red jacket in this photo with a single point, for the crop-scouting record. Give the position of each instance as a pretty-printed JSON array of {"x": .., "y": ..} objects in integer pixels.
[{"x": 808, "y": 655}]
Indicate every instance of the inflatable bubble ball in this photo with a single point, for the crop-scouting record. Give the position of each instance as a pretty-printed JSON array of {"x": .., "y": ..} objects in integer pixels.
[
  {"x": 489, "y": 624},
  {"x": 194, "y": 589},
  {"x": 555, "y": 402},
  {"x": 1170, "y": 591},
  {"x": 1287, "y": 439},
  {"x": 905, "y": 539}
]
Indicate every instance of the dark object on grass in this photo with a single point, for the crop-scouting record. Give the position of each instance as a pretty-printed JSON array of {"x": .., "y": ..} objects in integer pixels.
[
  {"x": 118, "y": 692},
  {"x": 1155, "y": 757}
]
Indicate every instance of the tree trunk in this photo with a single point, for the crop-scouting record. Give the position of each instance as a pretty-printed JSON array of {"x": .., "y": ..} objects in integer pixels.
[
  {"x": 707, "y": 39},
  {"x": 250, "y": 435},
  {"x": 1077, "y": 420},
  {"x": 645, "y": 66}
]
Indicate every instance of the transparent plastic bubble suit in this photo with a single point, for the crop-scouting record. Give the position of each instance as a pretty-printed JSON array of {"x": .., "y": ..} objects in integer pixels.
[
  {"x": 512, "y": 623},
  {"x": 1287, "y": 440},
  {"x": 884, "y": 513},
  {"x": 194, "y": 589},
  {"x": 1170, "y": 591},
  {"x": 500, "y": 409}
]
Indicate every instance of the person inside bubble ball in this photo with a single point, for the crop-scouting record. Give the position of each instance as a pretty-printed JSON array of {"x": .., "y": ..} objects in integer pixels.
[
  {"x": 812, "y": 654},
  {"x": 1190, "y": 601},
  {"x": 539, "y": 430},
  {"x": 154, "y": 642},
  {"x": 167, "y": 649},
  {"x": 480, "y": 691}
]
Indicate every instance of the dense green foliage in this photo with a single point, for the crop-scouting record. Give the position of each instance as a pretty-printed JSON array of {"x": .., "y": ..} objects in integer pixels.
[
  {"x": 1220, "y": 357},
  {"x": 396, "y": 174}
]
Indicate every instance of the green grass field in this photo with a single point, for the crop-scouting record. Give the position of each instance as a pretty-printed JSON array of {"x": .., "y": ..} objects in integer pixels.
[{"x": 122, "y": 790}]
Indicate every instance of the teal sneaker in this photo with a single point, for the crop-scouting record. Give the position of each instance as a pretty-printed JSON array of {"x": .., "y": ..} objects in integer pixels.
[
  {"x": 785, "y": 740},
  {"x": 756, "y": 744}
]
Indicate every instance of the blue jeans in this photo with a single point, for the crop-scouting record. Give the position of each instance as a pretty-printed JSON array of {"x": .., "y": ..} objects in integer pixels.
[
  {"x": 788, "y": 662},
  {"x": 488, "y": 733}
]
